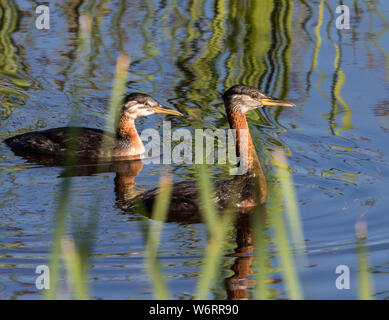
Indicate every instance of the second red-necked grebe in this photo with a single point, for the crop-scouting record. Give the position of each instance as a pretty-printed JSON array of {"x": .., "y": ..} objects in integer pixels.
[
  {"x": 87, "y": 142},
  {"x": 246, "y": 190}
]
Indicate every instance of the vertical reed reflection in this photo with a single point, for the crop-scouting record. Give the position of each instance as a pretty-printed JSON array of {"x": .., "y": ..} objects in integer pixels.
[
  {"x": 249, "y": 42},
  {"x": 339, "y": 105},
  {"x": 10, "y": 68}
]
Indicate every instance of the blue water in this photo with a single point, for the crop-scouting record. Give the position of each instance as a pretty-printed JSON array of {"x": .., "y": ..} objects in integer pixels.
[{"x": 335, "y": 138}]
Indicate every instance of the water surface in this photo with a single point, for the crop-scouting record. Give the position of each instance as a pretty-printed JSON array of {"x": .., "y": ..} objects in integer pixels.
[{"x": 185, "y": 54}]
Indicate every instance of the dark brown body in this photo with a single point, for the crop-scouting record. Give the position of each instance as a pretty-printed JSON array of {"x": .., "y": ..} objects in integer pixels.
[
  {"x": 240, "y": 193},
  {"x": 86, "y": 142}
]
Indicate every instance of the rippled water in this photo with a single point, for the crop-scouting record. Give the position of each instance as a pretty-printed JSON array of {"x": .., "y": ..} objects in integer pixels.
[{"x": 185, "y": 55}]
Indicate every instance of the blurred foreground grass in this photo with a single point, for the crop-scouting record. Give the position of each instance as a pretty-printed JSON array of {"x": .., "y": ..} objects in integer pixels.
[{"x": 281, "y": 214}]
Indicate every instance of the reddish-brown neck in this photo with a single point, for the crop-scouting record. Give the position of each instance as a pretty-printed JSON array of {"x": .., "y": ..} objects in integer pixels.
[
  {"x": 243, "y": 139},
  {"x": 127, "y": 131},
  {"x": 238, "y": 122}
]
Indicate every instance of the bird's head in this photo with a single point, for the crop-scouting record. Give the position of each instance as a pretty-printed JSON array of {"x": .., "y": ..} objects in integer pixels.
[
  {"x": 241, "y": 98},
  {"x": 141, "y": 105}
]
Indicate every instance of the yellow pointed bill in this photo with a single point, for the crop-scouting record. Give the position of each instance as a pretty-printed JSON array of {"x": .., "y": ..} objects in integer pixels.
[
  {"x": 167, "y": 111},
  {"x": 276, "y": 102}
]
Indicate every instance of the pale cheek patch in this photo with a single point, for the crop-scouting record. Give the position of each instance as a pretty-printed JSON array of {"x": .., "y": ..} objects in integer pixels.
[
  {"x": 138, "y": 110},
  {"x": 147, "y": 112}
]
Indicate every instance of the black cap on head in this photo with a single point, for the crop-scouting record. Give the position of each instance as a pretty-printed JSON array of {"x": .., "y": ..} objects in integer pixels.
[
  {"x": 136, "y": 96},
  {"x": 243, "y": 89}
]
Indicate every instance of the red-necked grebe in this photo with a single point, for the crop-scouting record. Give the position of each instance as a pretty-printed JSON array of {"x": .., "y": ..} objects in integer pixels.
[
  {"x": 87, "y": 141},
  {"x": 246, "y": 190}
]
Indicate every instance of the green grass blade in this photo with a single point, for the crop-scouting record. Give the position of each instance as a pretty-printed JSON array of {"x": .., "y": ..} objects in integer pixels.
[
  {"x": 58, "y": 232},
  {"x": 276, "y": 195},
  {"x": 261, "y": 254},
  {"x": 160, "y": 211},
  {"x": 286, "y": 259},
  {"x": 75, "y": 269},
  {"x": 365, "y": 290},
  {"x": 217, "y": 227},
  {"x": 291, "y": 204}
]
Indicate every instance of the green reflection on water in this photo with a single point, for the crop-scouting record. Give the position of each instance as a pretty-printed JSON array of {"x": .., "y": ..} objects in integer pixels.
[
  {"x": 212, "y": 44},
  {"x": 12, "y": 83}
]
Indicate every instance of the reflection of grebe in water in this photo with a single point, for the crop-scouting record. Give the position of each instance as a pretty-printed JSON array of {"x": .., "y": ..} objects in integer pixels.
[
  {"x": 242, "y": 190},
  {"x": 238, "y": 284},
  {"x": 87, "y": 142}
]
